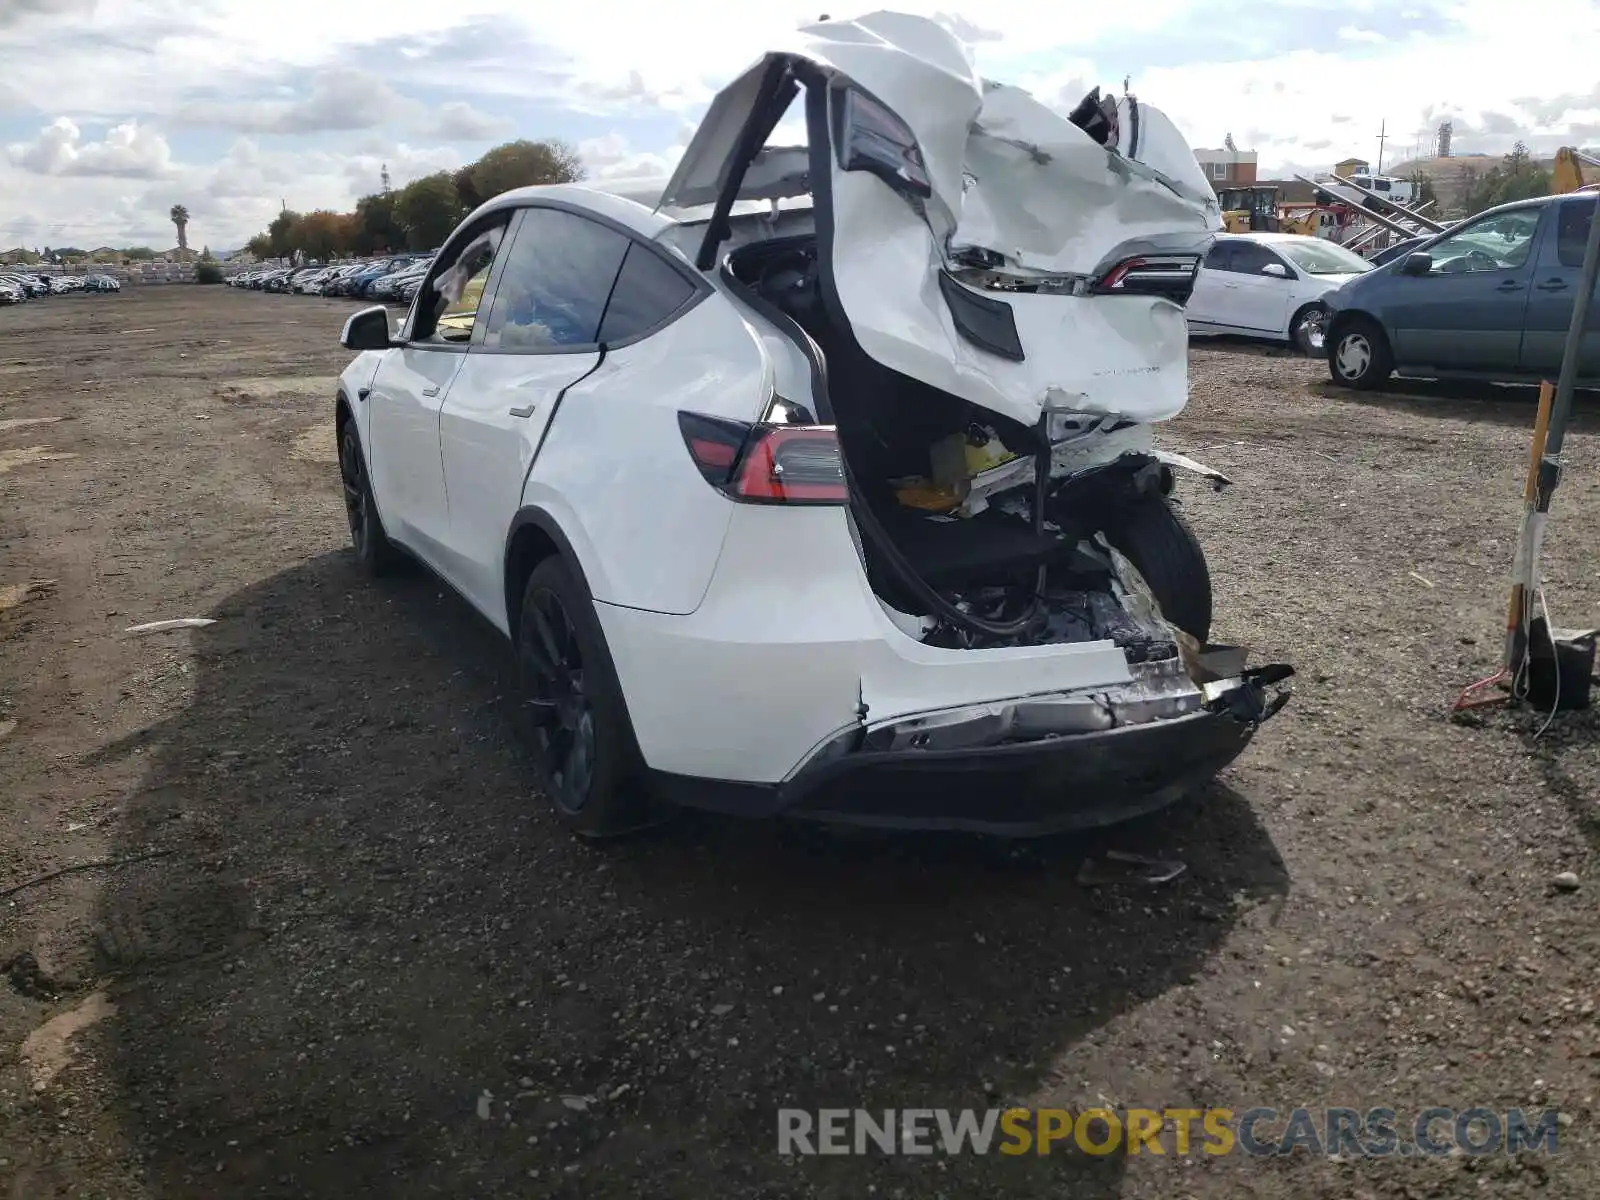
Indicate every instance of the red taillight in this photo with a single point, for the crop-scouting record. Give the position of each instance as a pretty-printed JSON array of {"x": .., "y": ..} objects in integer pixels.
[
  {"x": 1168, "y": 275},
  {"x": 792, "y": 464},
  {"x": 767, "y": 464}
]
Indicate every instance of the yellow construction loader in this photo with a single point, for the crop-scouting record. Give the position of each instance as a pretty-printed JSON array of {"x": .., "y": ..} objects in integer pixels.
[
  {"x": 1566, "y": 174},
  {"x": 1254, "y": 208}
]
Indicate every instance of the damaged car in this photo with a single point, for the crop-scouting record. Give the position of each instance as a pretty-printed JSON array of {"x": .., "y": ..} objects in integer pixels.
[{"x": 820, "y": 480}]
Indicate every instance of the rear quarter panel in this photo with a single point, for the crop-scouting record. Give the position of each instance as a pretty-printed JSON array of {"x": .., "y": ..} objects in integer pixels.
[{"x": 615, "y": 473}]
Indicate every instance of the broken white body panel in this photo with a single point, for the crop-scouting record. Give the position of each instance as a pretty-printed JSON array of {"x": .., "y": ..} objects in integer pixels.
[{"x": 1008, "y": 176}]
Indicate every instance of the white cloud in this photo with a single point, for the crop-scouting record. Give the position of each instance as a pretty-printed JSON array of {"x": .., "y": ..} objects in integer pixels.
[
  {"x": 612, "y": 157},
  {"x": 14, "y": 12},
  {"x": 459, "y": 120},
  {"x": 336, "y": 100},
  {"x": 324, "y": 99},
  {"x": 127, "y": 151}
]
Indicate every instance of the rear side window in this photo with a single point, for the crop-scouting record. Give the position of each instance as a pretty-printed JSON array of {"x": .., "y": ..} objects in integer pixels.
[
  {"x": 648, "y": 294},
  {"x": 553, "y": 289},
  {"x": 1220, "y": 257},
  {"x": 1572, "y": 231}
]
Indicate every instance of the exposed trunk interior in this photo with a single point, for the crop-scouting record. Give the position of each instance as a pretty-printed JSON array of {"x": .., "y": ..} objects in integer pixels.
[{"x": 1040, "y": 580}]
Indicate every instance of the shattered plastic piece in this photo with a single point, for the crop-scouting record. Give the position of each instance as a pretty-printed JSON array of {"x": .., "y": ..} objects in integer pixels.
[
  {"x": 175, "y": 623},
  {"x": 452, "y": 283},
  {"x": 1119, "y": 867}
]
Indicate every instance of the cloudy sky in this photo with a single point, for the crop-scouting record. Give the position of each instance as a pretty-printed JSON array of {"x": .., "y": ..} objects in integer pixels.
[{"x": 111, "y": 111}]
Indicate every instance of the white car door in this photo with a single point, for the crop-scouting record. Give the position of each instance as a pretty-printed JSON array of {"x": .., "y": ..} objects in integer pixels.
[
  {"x": 1208, "y": 310},
  {"x": 539, "y": 336},
  {"x": 1259, "y": 300},
  {"x": 404, "y": 404},
  {"x": 403, "y": 441}
]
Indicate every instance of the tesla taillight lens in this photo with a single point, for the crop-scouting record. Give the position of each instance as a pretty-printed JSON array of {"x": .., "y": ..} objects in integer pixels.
[
  {"x": 870, "y": 137},
  {"x": 767, "y": 464},
  {"x": 1168, "y": 275}
]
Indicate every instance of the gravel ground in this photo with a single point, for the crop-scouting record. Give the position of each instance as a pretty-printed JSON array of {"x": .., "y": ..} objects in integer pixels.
[{"x": 360, "y": 959}]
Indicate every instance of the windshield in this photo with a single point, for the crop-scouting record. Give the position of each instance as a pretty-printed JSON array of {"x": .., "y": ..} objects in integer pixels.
[{"x": 1317, "y": 257}]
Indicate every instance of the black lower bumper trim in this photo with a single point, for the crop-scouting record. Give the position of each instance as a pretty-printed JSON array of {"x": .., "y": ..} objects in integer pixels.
[{"x": 1018, "y": 789}]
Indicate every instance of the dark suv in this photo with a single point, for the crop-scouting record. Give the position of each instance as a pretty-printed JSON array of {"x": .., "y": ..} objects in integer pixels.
[{"x": 1488, "y": 299}]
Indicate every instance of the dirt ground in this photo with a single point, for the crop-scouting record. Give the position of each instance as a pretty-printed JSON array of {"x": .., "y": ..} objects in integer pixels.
[{"x": 345, "y": 951}]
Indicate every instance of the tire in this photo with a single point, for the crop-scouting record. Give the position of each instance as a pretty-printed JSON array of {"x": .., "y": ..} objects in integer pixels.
[
  {"x": 583, "y": 744},
  {"x": 1358, "y": 355},
  {"x": 1156, "y": 539},
  {"x": 375, "y": 554},
  {"x": 1308, "y": 330}
]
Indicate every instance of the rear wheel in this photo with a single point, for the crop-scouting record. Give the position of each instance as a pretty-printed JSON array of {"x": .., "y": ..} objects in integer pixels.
[
  {"x": 1358, "y": 355},
  {"x": 1156, "y": 539},
  {"x": 584, "y": 749}
]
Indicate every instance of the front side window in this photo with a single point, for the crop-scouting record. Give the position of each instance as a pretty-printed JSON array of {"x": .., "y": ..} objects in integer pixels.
[
  {"x": 447, "y": 305},
  {"x": 557, "y": 277},
  {"x": 1501, "y": 242}
]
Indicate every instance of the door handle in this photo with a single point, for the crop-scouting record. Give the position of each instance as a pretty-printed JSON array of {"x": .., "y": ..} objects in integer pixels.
[
  {"x": 524, "y": 412},
  {"x": 1509, "y": 285},
  {"x": 430, "y": 391},
  {"x": 1553, "y": 285}
]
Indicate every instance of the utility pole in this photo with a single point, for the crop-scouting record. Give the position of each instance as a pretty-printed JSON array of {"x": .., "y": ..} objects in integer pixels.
[
  {"x": 1382, "y": 138},
  {"x": 383, "y": 175}
]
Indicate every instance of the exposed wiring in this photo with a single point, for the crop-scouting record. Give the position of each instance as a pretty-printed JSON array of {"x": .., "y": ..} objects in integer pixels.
[{"x": 874, "y": 531}]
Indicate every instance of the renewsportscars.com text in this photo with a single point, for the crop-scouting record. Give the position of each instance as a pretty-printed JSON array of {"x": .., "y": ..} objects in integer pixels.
[{"x": 1258, "y": 1132}]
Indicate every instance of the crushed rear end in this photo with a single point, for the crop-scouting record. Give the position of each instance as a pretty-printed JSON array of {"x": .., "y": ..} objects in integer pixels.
[{"x": 990, "y": 296}]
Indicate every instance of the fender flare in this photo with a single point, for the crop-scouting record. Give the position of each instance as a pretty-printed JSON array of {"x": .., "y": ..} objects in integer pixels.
[{"x": 535, "y": 516}]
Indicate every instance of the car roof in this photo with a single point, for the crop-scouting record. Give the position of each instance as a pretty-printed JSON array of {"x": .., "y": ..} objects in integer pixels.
[{"x": 628, "y": 202}]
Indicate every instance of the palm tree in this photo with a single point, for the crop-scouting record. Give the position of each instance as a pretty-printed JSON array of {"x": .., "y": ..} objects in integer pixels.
[{"x": 180, "y": 218}]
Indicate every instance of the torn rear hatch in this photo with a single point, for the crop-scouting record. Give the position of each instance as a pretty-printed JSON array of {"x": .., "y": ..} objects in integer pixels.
[{"x": 977, "y": 240}]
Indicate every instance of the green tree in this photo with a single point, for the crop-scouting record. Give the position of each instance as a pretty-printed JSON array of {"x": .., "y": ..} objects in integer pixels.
[
  {"x": 524, "y": 164},
  {"x": 428, "y": 209},
  {"x": 138, "y": 253},
  {"x": 260, "y": 246},
  {"x": 376, "y": 228},
  {"x": 180, "y": 219},
  {"x": 280, "y": 231},
  {"x": 466, "y": 190},
  {"x": 1515, "y": 177},
  {"x": 321, "y": 234}
]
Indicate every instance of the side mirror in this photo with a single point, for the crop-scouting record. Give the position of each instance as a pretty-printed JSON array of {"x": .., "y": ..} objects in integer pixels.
[
  {"x": 1418, "y": 262},
  {"x": 1276, "y": 270},
  {"x": 367, "y": 330}
]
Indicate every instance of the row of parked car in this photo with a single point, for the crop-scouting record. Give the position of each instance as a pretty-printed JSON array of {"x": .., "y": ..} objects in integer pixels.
[
  {"x": 395, "y": 277},
  {"x": 17, "y": 287}
]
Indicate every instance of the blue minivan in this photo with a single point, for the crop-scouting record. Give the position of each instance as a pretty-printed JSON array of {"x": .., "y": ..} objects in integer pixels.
[{"x": 1489, "y": 299}]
